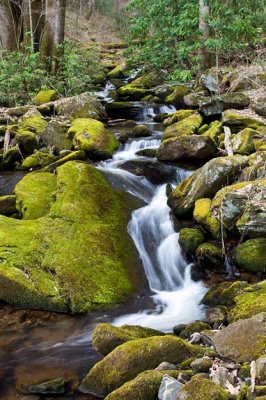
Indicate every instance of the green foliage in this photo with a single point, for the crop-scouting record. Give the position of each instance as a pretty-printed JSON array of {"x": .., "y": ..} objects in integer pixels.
[
  {"x": 22, "y": 74},
  {"x": 113, "y": 10},
  {"x": 168, "y": 35}
]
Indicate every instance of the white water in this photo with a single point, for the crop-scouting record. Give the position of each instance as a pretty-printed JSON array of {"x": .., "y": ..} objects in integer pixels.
[{"x": 176, "y": 296}]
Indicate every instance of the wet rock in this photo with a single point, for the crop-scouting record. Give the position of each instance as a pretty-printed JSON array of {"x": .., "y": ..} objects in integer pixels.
[
  {"x": 169, "y": 388},
  {"x": 242, "y": 341},
  {"x": 187, "y": 126},
  {"x": 177, "y": 329},
  {"x": 210, "y": 256},
  {"x": 92, "y": 137},
  {"x": 8, "y": 205},
  {"x": 177, "y": 116},
  {"x": 205, "y": 182},
  {"x": 10, "y": 158},
  {"x": 202, "y": 389},
  {"x": 155, "y": 171},
  {"x": 190, "y": 239},
  {"x": 45, "y": 96},
  {"x": 133, "y": 357},
  {"x": 131, "y": 92},
  {"x": 251, "y": 256},
  {"x": 151, "y": 153},
  {"x": 201, "y": 364},
  {"x": 194, "y": 148},
  {"x": 27, "y": 141},
  {"x": 55, "y": 135},
  {"x": 55, "y": 386},
  {"x": 177, "y": 96},
  {"x": 82, "y": 106},
  {"x": 140, "y": 131},
  {"x": 144, "y": 386},
  {"x": 107, "y": 337},
  {"x": 224, "y": 293},
  {"x": 117, "y": 109}
]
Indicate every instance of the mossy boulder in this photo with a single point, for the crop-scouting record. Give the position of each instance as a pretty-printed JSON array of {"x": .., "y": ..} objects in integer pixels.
[
  {"x": 205, "y": 182},
  {"x": 177, "y": 116},
  {"x": 177, "y": 96},
  {"x": 27, "y": 141},
  {"x": 243, "y": 142},
  {"x": 202, "y": 389},
  {"x": 45, "y": 96},
  {"x": 55, "y": 135},
  {"x": 107, "y": 337},
  {"x": 193, "y": 148},
  {"x": 8, "y": 205},
  {"x": 33, "y": 121},
  {"x": 119, "y": 71},
  {"x": 197, "y": 326},
  {"x": 144, "y": 386},
  {"x": 10, "y": 158},
  {"x": 224, "y": 293},
  {"x": 202, "y": 214},
  {"x": 237, "y": 120},
  {"x": 75, "y": 258},
  {"x": 71, "y": 156},
  {"x": 261, "y": 369},
  {"x": 259, "y": 106},
  {"x": 81, "y": 106},
  {"x": 132, "y": 92},
  {"x": 131, "y": 358},
  {"x": 242, "y": 341},
  {"x": 257, "y": 158},
  {"x": 37, "y": 160},
  {"x": 92, "y": 137},
  {"x": 140, "y": 131},
  {"x": 148, "y": 81},
  {"x": 251, "y": 255},
  {"x": 249, "y": 302},
  {"x": 187, "y": 126},
  {"x": 214, "y": 131},
  {"x": 190, "y": 239},
  {"x": 210, "y": 256}
]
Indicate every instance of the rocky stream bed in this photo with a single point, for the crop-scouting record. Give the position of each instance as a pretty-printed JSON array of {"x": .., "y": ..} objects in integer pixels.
[{"x": 133, "y": 240}]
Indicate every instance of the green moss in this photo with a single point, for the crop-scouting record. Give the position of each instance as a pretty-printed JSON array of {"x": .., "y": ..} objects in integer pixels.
[
  {"x": 209, "y": 256},
  {"x": 204, "y": 128},
  {"x": 10, "y": 158},
  {"x": 244, "y": 371},
  {"x": 92, "y": 137},
  {"x": 133, "y": 93},
  {"x": 77, "y": 257},
  {"x": 250, "y": 302},
  {"x": 189, "y": 239},
  {"x": 187, "y": 126},
  {"x": 214, "y": 131},
  {"x": 34, "y": 194},
  {"x": 202, "y": 214},
  {"x": 243, "y": 142},
  {"x": 224, "y": 293},
  {"x": 38, "y": 160},
  {"x": 251, "y": 255},
  {"x": 107, "y": 337},
  {"x": 148, "y": 81},
  {"x": 144, "y": 387},
  {"x": 118, "y": 71},
  {"x": 178, "y": 116},
  {"x": 132, "y": 358},
  {"x": 196, "y": 326},
  {"x": 72, "y": 156},
  {"x": 203, "y": 389},
  {"x": 45, "y": 96},
  {"x": 33, "y": 121},
  {"x": 177, "y": 97},
  {"x": 236, "y": 120}
]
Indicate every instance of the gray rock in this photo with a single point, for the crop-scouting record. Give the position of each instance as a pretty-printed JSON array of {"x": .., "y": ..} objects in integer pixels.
[
  {"x": 55, "y": 386},
  {"x": 55, "y": 135},
  {"x": 201, "y": 364},
  {"x": 261, "y": 370},
  {"x": 166, "y": 366},
  {"x": 169, "y": 388}
]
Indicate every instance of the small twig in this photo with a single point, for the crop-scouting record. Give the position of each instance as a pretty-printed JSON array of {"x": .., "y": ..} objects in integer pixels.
[{"x": 6, "y": 141}]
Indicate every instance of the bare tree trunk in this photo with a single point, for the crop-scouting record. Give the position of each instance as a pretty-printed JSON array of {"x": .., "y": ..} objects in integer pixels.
[
  {"x": 33, "y": 22},
  {"x": 204, "y": 13},
  {"x": 54, "y": 32},
  {"x": 9, "y": 38}
]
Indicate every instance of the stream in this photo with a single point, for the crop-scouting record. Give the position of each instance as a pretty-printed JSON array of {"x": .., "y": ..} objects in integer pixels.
[{"x": 170, "y": 296}]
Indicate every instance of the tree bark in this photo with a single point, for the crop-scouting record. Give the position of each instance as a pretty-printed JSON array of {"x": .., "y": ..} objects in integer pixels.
[
  {"x": 54, "y": 32},
  {"x": 33, "y": 22},
  {"x": 9, "y": 22},
  {"x": 204, "y": 13}
]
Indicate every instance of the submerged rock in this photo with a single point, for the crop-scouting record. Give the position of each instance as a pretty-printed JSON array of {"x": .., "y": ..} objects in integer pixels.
[
  {"x": 131, "y": 358},
  {"x": 107, "y": 337},
  {"x": 73, "y": 252}
]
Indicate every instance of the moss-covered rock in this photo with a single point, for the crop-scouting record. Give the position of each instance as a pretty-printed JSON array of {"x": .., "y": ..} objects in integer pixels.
[
  {"x": 187, "y": 126},
  {"x": 55, "y": 135},
  {"x": 202, "y": 364},
  {"x": 177, "y": 117},
  {"x": 107, "y": 337},
  {"x": 197, "y": 326},
  {"x": 10, "y": 158},
  {"x": 193, "y": 148},
  {"x": 119, "y": 71},
  {"x": 132, "y": 92},
  {"x": 148, "y": 81},
  {"x": 45, "y": 96},
  {"x": 237, "y": 120},
  {"x": 190, "y": 239},
  {"x": 92, "y": 137},
  {"x": 205, "y": 182},
  {"x": 82, "y": 106},
  {"x": 177, "y": 96},
  {"x": 243, "y": 142},
  {"x": 33, "y": 121},
  {"x": 224, "y": 293},
  {"x": 210, "y": 256},
  {"x": 27, "y": 141},
  {"x": 251, "y": 255},
  {"x": 242, "y": 341},
  {"x": 144, "y": 386},
  {"x": 128, "y": 360},
  {"x": 8, "y": 205},
  {"x": 214, "y": 131},
  {"x": 75, "y": 258},
  {"x": 202, "y": 389},
  {"x": 72, "y": 156},
  {"x": 38, "y": 160},
  {"x": 202, "y": 214}
]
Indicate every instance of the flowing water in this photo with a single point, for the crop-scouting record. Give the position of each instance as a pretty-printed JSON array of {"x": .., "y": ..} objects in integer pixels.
[{"x": 172, "y": 296}]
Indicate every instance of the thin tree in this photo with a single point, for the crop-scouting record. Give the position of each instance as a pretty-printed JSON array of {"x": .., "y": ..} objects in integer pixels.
[{"x": 204, "y": 27}]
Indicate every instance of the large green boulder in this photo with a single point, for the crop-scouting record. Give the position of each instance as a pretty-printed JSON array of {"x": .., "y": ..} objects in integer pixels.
[
  {"x": 251, "y": 255},
  {"x": 107, "y": 337},
  {"x": 210, "y": 256},
  {"x": 93, "y": 137},
  {"x": 33, "y": 121},
  {"x": 242, "y": 341},
  {"x": 187, "y": 126},
  {"x": 131, "y": 358},
  {"x": 73, "y": 252},
  {"x": 202, "y": 389},
  {"x": 205, "y": 182},
  {"x": 81, "y": 106},
  {"x": 45, "y": 96},
  {"x": 192, "y": 148},
  {"x": 27, "y": 141},
  {"x": 144, "y": 387},
  {"x": 190, "y": 239},
  {"x": 132, "y": 92}
]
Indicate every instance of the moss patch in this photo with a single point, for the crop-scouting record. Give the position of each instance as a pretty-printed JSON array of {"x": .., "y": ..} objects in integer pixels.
[
  {"x": 251, "y": 255},
  {"x": 187, "y": 126},
  {"x": 202, "y": 214},
  {"x": 203, "y": 389},
  {"x": 45, "y": 96},
  {"x": 189, "y": 239}
]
